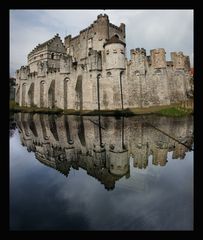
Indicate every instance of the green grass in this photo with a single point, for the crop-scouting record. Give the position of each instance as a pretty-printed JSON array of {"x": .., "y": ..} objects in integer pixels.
[
  {"x": 14, "y": 107},
  {"x": 174, "y": 112}
]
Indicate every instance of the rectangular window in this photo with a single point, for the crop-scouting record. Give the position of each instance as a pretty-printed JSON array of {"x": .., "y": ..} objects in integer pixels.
[{"x": 90, "y": 43}]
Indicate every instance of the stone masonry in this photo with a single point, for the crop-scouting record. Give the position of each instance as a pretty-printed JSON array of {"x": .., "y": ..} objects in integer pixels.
[{"x": 90, "y": 71}]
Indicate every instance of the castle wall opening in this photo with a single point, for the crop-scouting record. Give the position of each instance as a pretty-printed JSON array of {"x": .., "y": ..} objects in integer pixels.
[
  {"x": 51, "y": 95},
  {"x": 42, "y": 86},
  {"x": 23, "y": 94},
  {"x": 66, "y": 93},
  {"x": 79, "y": 97},
  {"x": 31, "y": 95}
]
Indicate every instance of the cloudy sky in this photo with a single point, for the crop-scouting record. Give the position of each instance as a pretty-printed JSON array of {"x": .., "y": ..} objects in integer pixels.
[{"x": 169, "y": 29}]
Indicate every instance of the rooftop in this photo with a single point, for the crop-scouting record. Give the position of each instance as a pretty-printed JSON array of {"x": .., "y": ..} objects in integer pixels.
[{"x": 114, "y": 39}]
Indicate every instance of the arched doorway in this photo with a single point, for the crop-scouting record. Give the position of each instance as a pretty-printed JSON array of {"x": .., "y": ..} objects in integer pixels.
[
  {"x": 79, "y": 97},
  {"x": 31, "y": 95},
  {"x": 138, "y": 81},
  {"x": 98, "y": 90},
  {"x": 51, "y": 95},
  {"x": 42, "y": 91},
  {"x": 121, "y": 88},
  {"x": 66, "y": 93},
  {"x": 23, "y": 94}
]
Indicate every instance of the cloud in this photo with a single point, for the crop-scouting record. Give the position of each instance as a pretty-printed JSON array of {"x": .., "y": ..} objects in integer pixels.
[{"x": 170, "y": 29}]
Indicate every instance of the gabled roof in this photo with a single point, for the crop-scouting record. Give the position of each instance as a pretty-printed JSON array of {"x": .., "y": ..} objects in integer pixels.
[
  {"x": 40, "y": 46},
  {"x": 114, "y": 39}
]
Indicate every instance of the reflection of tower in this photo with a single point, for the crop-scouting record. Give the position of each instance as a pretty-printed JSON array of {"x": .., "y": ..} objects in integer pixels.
[
  {"x": 179, "y": 151},
  {"x": 99, "y": 148},
  {"x": 141, "y": 149},
  {"x": 160, "y": 153},
  {"x": 141, "y": 156},
  {"x": 118, "y": 153}
]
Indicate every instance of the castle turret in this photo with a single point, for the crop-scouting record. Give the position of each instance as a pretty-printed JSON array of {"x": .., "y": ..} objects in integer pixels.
[
  {"x": 115, "y": 53},
  {"x": 67, "y": 41},
  {"x": 23, "y": 73},
  {"x": 119, "y": 162},
  {"x": 187, "y": 63},
  {"x": 102, "y": 31},
  {"x": 158, "y": 58},
  {"x": 178, "y": 60},
  {"x": 122, "y": 28},
  {"x": 138, "y": 59}
]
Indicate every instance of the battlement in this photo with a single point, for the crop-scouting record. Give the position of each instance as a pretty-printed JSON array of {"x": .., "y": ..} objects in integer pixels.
[
  {"x": 114, "y": 26},
  {"x": 169, "y": 63},
  {"x": 137, "y": 51},
  {"x": 102, "y": 16},
  {"x": 180, "y": 61},
  {"x": 158, "y": 58}
]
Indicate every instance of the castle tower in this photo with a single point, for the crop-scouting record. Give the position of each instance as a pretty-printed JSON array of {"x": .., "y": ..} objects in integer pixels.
[
  {"x": 119, "y": 162},
  {"x": 115, "y": 53},
  {"x": 102, "y": 32},
  {"x": 113, "y": 67},
  {"x": 158, "y": 58},
  {"x": 118, "y": 153},
  {"x": 179, "y": 60},
  {"x": 138, "y": 59}
]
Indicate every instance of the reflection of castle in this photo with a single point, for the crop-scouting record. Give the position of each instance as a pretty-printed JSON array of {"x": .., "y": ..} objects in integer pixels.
[{"x": 103, "y": 145}]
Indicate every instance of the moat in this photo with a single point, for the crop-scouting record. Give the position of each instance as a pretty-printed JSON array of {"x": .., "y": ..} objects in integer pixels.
[{"x": 100, "y": 172}]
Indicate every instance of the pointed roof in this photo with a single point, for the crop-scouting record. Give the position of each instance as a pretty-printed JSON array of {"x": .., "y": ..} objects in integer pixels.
[
  {"x": 114, "y": 39},
  {"x": 40, "y": 46}
]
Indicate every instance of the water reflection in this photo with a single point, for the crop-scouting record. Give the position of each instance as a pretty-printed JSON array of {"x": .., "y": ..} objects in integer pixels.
[{"x": 103, "y": 146}]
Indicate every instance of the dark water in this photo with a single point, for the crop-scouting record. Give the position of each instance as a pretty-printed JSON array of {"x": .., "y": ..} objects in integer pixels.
[{"x": 91, "y": 173}]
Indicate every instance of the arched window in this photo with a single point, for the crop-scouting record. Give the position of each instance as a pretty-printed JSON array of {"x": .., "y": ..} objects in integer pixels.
[
  {"x": 52, "y": 56},
  {"x": 42, "y": 91},
  {"x": 66, "y": 93},
  {"x": 108, "y": 74},
  {"x": 23, "y": 94}
]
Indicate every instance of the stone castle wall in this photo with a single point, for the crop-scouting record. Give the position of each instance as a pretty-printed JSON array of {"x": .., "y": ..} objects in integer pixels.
[{"x": 92, "y": 67}]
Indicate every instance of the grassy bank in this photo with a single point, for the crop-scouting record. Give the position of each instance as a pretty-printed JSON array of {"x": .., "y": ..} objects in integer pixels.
[
  {"x": 174, "y": 112},
  {"x": 16, "y": 108},
  {"x": 170, "y": 111}
]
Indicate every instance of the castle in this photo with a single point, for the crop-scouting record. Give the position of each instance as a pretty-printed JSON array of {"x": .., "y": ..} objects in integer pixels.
[{"x": 90, "y": 71}]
